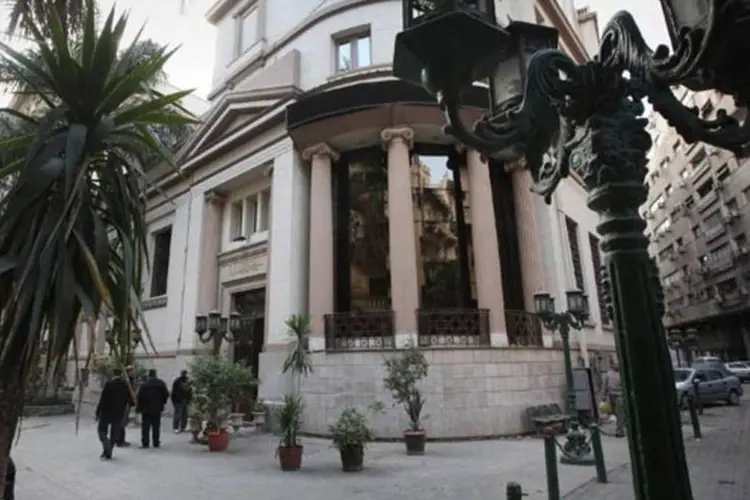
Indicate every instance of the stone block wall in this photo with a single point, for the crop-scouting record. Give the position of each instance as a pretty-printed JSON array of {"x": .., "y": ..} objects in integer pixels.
[{"x": 469, "y": 392}]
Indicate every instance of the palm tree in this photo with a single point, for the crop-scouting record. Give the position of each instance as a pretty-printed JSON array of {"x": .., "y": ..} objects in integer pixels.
[
  {"x": 29, "y": 16},
  {"x": 72, "y": 229}
]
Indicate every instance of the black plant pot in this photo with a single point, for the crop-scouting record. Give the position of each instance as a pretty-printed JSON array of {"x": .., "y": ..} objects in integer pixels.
[
  {"x": 415, "y": 441},
  {"x": 351, "y": 458}
]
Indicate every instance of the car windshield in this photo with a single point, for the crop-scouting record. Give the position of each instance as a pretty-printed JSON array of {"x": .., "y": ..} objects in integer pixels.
[
  {"x": 682, "y": 375},
  {"x": 737, "y": 365}
]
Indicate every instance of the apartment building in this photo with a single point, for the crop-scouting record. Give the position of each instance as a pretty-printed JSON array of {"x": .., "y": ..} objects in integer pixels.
[
  {"x": 319, "y": 184},
  {"x": 698, "y": 221}
]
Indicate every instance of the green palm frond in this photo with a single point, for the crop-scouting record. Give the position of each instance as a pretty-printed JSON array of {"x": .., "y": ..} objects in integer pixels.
[
  {"x": 28, "y": 16},
  {"x": 72, "y": 234}
]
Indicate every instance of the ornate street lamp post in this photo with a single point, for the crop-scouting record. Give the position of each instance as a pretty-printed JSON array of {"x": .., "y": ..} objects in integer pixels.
[
  {"x": 578, "y": 451},
  {"x": 590, "y": 114},
  {"x": 213, "y": 327},
  {"x": 135, "y": 338}
]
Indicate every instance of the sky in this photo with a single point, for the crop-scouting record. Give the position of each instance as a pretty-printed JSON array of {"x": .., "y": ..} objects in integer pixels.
[{"x": 192, "y": 66}]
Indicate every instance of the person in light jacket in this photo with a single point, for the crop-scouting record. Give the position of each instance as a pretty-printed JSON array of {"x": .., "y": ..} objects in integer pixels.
[{"x": 612, "y": 393}]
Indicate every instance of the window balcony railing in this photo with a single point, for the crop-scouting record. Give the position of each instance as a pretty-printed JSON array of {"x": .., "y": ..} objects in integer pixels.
[
  {"x": 453, "y": 327},
  {"x": 353, "y": 330},
  {"x": 524, "y": 328}
]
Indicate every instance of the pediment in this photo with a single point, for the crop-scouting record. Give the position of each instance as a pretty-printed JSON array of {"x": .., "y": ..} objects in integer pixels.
[{"x": 234, "y": 110}]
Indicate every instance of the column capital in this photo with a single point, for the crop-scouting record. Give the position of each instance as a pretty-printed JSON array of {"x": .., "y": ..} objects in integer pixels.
[
  {"x": 320, "y": 149},
  {"x": 404, "y": 134},
  {"x": 215, "y": 197}
]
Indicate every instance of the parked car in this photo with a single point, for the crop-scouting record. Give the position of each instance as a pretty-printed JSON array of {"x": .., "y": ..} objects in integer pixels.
[
  {"x": 741, "y": 369},
  {"x": 711, "y": 363},
  {"x": 714, "y": 386}
]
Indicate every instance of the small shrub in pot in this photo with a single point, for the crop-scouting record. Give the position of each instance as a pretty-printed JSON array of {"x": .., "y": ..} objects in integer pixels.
[
  {"x": 290, "y": 421},
  {"x": 404, "y": 374},
  {"x": 350, "y": 435}
]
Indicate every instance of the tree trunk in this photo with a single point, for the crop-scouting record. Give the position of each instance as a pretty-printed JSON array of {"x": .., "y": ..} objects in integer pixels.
[{"x": 11, "y": 398}]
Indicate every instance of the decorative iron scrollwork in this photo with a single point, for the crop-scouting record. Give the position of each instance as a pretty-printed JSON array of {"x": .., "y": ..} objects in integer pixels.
[
  {"x": 359, "y": 330},
  {"x": 453, "y": 327},
  {"x": 524, "y": 329}
]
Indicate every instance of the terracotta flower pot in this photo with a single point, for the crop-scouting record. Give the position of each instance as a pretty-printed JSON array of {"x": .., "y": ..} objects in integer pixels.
[
  {"x": 218, "y": 440},
  {"x": 415, "y": 441},
  {"x": 290, "y": 457},
  {"x": 352, "y": 458}
]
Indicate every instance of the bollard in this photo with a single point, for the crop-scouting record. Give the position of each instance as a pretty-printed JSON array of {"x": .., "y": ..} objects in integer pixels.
[
  {"x": 694, "y": 419},
  {"x": 697, "y": 398},
  {"x": 550, "y": 462},
  {"x": 596, "y": 443},
  {"x": 514, "y": 492}
]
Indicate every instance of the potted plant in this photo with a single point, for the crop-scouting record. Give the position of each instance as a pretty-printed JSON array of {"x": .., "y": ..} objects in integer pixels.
[
  {"x": 404, "y": 373},
  {"x": 290, "y": 450},
  {"x": 218, "y": 382},
  {"x": 350, "y": 435}
]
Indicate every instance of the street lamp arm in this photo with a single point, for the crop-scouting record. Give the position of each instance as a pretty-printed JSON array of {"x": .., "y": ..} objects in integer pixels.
[{"x": 562, "y": 100}]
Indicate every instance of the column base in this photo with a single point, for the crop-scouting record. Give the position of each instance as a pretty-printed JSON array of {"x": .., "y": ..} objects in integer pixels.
[
  {"x": 317, "y": 343},
  {"x": 404, "y": 340},
  {"x": 499, "y": 339}
]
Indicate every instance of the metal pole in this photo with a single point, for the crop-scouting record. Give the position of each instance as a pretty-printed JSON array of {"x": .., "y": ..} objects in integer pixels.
[
  {"x": 513, "y": 491},
  {"x": 697, "y": 398},
  {"x": 694, "y": 420},
  {"x": 570, "y": 396},
  {"x": 612, "y": 162},
  {"x": 550, "y": 462},
  {"x": 596, "y": 443}
]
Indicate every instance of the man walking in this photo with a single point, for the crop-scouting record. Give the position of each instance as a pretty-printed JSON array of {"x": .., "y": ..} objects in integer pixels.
[
  {"x": 152, "y": 396},
  {"x": 113, "y": 403},
  {"x": 120, "y": 440},
  {"x": 613, "y": 395},
  {"x": 181, "y": 393}
]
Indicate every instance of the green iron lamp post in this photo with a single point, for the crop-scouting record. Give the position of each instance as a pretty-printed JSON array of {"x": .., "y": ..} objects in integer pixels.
[
  {"x": 215, "y": 328},
  {"x": 589, "y": 115},
  {"x": 577, "y": 449}
]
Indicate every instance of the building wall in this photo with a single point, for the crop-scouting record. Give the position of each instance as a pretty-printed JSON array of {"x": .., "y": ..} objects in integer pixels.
[{"x": 468, "y": 392}]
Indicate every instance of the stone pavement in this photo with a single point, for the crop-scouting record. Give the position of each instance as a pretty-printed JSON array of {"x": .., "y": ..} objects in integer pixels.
[
  {"x": 719, "y": 463},
  {"x": 54, "y": 462}
]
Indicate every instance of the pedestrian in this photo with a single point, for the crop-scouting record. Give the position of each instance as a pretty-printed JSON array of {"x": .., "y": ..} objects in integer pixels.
[
  {"x": 613, "y": 395},
  {"x": 114, "y": 401},
  {"x": 10, "y": 481},
  {"x": 182, "y": 392},
  {"x": 121, "y": 441},
  {"x": 153, "y": 394}
]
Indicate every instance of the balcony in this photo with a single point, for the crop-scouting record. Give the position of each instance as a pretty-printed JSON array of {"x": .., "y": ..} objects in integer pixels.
[
  {"x": 714, "y": 232},
  {"x": 524, "y": 329},
  {"x": 706, "y": 201},
  {"x": 359, "y": 330},
  {"x": 453, "y": 327}
]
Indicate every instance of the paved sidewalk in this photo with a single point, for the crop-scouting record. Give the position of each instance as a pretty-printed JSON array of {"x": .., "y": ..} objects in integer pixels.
[
  {"x": 55, "y": 463},
  {"x": 719, "y": 463}
]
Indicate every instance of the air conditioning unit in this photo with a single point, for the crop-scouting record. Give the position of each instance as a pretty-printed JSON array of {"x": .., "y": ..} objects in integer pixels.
[
  {"x": 682, "y": 248},
  {"x": 661, "y": 204},
  {"x": 719, "y": 186},
  {"x": 649, "y": 216},
  {"x": 682, "y": 183},
  {"x": 734, "y": 214}
]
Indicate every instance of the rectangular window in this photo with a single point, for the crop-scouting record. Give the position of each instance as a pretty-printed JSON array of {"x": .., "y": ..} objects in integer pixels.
[
  {"x": 247, "y": 30},
  {"x": 265, "y": 210},
  {"x": 236, "y": 230},
  {"x": 160, "y": 263},
  {"x": 596, "y": 261},
  {"x": 353, "y": 52},
  {"x": 713, "y": 220},
  {"x": 575, "y": 252},
  {"x": 251, "y": 215}
]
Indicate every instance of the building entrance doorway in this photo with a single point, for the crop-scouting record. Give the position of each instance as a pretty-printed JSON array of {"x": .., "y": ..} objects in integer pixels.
[{"x": 251, "y": 305}]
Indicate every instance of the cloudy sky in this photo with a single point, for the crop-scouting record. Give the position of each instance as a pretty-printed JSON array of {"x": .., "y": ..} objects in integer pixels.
[{"x": 192, "y": 65}]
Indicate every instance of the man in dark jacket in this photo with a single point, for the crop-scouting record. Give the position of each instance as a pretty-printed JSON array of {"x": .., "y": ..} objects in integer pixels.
[
  {"x": 120, "y": 440},
  {"x": 113, "y": 403},
  {"x": 152, "y": 396},
  {"x": 181, "y": 393}
]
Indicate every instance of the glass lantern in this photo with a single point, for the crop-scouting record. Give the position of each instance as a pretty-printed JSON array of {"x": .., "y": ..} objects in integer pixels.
[
  {"x": 201, "y": 323},
  {"x": 544, "y": 303},
  {"x": 214, "y": 321},
  {"x": 685, "y": 14},
  {"x": 576, "y": 302}
]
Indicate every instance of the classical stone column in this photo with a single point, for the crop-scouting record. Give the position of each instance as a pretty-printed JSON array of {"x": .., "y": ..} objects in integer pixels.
[
  {"x": 489, "y": 280},
  {"x": 211, "y": 232},
  {"x": 529, "y": 239},
  {"x": 320, "y": 297},
  {"x": 402, "y": 239}
]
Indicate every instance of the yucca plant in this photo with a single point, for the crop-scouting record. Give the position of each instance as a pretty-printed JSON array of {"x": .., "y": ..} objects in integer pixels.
[
  {"x": 72, "y": 230},
  {"x": 298, "y": 361}
]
